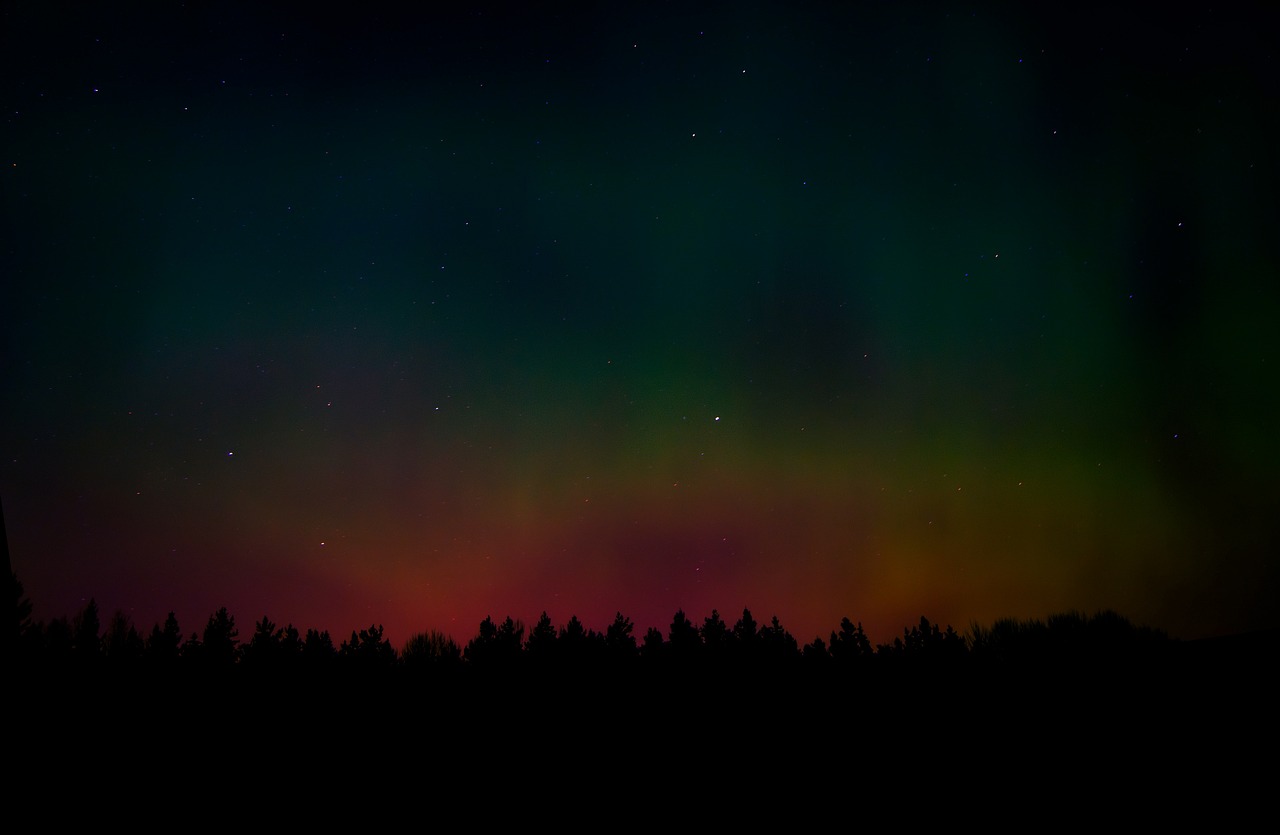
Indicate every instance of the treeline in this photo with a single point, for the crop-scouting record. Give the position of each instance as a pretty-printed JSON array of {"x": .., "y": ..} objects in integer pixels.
[{"x": 83, "y": 642}]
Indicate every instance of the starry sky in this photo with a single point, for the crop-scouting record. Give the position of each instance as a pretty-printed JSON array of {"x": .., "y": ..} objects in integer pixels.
[{"x": 877, "y": 310}]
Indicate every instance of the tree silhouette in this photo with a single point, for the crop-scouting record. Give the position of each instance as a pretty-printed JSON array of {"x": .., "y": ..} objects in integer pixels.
[
  {"x": 21, "y": 612},
  {"x": 263, "y": 651},
  {"x": 122, "y": 646},
  {"x": 318, "y": 651},
  {"x": 541, "y": 646},
  {"x": 746, "y": 630},
  {"x": 850, "y": 645},
  {"x": 220, "y": 643},
  {"x": 53, "y": 643},
  {"x": 164, "y": 646},
  {"x": 368, "y": 650},
  {"x": 85, "y": 639},
  {"x": 577, "y": 645},
  {"x": 496, "y": 646},
  {"x": 716, "y": 637},
  {"x": 192, "y": 650},
  {"x": 291, "y": 646},
  {"x": 925, "y": 642},
  {"x": 653, "y": 648},
  {"x": 683, "y": 640},
  {"x": 815, "y": 653},
  {"x": 20, "y": 622},
  {"x": 778, "y": 645},
  {"x": 619, "y": 642}
]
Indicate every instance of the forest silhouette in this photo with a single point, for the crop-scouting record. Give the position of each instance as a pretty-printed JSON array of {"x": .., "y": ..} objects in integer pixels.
[
  {"x": 709, "y": 698},
  {"x": 1067, "y": 653},
  {"x": 83, "y": 643}
]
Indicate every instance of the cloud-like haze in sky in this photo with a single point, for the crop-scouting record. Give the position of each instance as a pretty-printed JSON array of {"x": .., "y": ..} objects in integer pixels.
[{"x": 411, "y": 318}]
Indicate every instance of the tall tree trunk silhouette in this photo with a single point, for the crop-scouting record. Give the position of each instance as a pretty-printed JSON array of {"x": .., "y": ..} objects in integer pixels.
[
  {"x": 4, "y": 541},
  {"x": 13, "y": 595}
]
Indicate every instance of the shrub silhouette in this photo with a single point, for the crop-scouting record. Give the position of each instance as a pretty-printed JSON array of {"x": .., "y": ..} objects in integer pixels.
[{"x": 431, "y": 651}]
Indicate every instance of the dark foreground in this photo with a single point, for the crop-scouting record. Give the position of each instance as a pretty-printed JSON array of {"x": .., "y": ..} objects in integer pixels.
[{"x": 1192, "y": 730}]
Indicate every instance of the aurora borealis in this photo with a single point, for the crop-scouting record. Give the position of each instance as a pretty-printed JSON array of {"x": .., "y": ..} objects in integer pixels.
[{"x": 823, "y": 310}]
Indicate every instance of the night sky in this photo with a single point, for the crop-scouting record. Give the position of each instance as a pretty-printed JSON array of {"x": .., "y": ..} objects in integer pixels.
[{"x": 963, "y": 310}]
